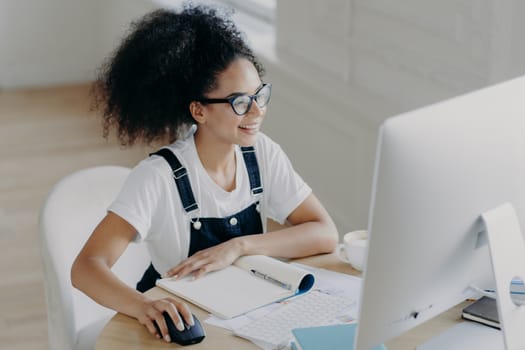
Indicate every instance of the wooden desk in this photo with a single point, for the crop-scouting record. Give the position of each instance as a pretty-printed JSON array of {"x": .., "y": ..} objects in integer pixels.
[{"x": 123, "y": 332}]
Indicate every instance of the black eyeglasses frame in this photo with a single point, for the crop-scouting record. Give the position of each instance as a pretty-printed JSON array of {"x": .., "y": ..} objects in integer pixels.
[{"x": 232, "y": 98}]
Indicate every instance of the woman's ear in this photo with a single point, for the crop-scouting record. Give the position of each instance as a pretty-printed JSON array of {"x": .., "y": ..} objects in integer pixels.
[{"x": 197, "y": 112}]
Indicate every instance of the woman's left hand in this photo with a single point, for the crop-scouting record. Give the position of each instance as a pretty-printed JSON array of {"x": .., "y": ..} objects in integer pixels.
[{"x": 207, "y": 260}]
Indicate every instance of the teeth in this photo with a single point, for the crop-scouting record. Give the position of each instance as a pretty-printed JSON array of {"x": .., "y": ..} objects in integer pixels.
[{"x": 249, "y": 126}]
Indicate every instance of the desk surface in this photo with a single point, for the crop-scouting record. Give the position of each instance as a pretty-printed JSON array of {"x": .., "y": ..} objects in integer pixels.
[{"x": 123, "y": 332}]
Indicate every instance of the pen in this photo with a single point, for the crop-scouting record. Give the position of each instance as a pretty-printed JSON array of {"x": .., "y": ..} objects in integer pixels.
[{"x": 271, "y": 279}]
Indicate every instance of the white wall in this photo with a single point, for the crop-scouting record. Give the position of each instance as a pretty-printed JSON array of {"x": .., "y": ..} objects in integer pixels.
[
  {"x": 409, "y": 53},
  {"x": 45, "y": 42},
  {"x": 49, "y": 42},
  {"x": 116, "y": 16}
]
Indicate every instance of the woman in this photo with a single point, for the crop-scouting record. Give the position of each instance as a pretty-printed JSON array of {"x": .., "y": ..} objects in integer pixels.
[{"x": 202, "y": 200}]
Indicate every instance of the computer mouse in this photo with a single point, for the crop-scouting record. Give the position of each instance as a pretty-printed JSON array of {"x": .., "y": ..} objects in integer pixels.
[{"x": 190, "y": 335}]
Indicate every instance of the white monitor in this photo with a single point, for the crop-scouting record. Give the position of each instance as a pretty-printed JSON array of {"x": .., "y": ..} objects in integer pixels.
[{"x": 437, "y": 169}]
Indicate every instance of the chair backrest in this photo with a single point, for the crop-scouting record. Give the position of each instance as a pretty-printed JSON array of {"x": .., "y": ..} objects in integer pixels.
[{"x": 72, "y": 210}]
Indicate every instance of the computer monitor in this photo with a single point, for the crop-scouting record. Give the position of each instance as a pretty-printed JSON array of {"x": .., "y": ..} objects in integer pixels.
[{"x": 437, "y": 169}]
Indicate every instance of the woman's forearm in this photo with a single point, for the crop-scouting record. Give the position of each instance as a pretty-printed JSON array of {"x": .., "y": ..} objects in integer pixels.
[
  {"x": 308, "y": 238},
  {"x": 312, "y": 232},
  {"x": 94, "y": 278}
]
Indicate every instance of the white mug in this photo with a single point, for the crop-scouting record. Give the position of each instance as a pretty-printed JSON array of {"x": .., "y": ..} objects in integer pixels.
[{"x": 353, "y": 249}]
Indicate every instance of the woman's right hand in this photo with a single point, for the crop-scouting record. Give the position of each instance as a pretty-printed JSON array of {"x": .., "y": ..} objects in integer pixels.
[
  {"x": 91, "y": 273},
  {"x": 152, "y": 311}
]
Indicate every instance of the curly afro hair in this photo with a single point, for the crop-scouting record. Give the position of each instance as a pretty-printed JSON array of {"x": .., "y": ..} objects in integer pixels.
[{"x": 166, "y": 61}]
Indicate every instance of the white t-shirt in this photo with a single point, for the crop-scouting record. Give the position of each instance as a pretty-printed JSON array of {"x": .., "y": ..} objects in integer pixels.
[{"x": 150, "y": 202}]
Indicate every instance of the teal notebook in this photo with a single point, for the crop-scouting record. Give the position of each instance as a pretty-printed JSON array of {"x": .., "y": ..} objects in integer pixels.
[{"x": 333, "y": 337}]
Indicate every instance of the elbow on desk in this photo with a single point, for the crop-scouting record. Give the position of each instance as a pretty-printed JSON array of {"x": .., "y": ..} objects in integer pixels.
[{"x": 328, "y": 240}]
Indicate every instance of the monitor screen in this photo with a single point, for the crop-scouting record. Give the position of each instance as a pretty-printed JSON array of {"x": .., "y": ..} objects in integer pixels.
[{"x": 437, "y": 170}]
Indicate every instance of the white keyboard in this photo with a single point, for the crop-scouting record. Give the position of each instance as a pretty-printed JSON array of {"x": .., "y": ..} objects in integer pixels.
[{"x": 312, "y": 309}]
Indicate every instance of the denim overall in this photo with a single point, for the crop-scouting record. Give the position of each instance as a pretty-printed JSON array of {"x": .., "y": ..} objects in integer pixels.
[{"x": 208, "y": 232}]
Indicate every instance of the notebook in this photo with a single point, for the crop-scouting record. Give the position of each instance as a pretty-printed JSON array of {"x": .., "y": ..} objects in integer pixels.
[
  {"x": 484, "y": 311},
  {"x": 251, "y": 282},
  {"x": 333, "y": 337}
]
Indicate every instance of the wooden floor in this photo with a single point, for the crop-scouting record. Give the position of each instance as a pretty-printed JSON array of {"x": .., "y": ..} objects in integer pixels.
[{"x": 45, "y": 134}]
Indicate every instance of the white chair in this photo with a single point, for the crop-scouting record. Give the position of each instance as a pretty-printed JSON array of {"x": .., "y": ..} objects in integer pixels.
[{"x": 73, "y": 208}]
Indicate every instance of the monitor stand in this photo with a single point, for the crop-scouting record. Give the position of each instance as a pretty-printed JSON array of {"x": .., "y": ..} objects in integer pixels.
[{"x": 507, "y": 252}]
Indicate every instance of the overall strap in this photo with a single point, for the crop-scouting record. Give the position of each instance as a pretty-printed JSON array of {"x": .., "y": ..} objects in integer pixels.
[
  {"x": 252, "y": 166},
  {"x": 180, "y": 175}
]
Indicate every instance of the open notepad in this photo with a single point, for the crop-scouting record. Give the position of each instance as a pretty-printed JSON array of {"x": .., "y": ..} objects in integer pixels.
[{"x": 251, "y": 282}]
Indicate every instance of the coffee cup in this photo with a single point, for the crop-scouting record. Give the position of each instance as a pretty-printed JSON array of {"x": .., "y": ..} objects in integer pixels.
[{"x": 354, "y": 248}]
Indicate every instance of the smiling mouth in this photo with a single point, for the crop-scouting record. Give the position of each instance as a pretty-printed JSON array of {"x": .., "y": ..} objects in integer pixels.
[{"x": 250, "y": 126}]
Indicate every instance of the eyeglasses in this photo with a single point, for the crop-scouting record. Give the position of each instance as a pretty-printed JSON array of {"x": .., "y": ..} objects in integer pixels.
[{"x": 241, "y": 103}]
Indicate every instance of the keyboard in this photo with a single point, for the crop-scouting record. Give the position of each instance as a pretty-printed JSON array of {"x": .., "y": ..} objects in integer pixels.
[{"x": 312, "y": 309}]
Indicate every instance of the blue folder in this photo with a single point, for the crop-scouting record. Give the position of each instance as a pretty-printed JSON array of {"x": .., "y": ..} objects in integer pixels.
[{"x": 333, "y": 337}]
